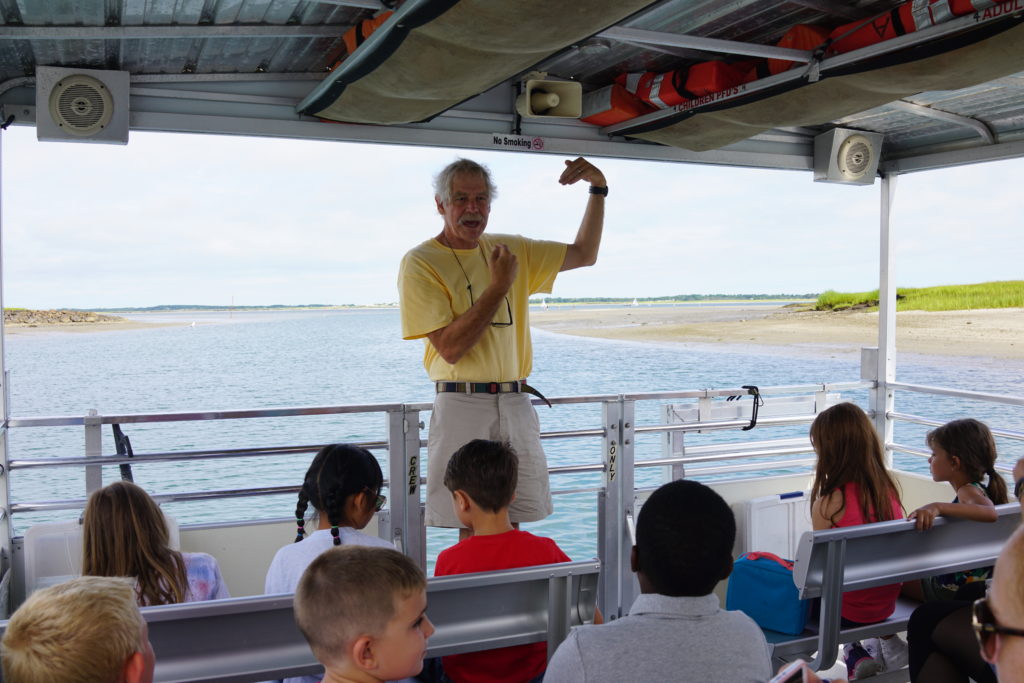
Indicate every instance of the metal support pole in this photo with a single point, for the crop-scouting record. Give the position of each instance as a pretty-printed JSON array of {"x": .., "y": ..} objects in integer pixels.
[
  {"x": 93, "y": 449},
  {"x": 882, "y": 397},
  {"x": 406, "y": 513},
  {"x": 673, "y": 445},
  {"x": 5, "y": 489},
  {"x": 617, "y": 583}
]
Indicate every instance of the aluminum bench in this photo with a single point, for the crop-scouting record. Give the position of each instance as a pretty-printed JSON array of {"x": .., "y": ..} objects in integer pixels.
[
  {"x": 829, "y": 563},
  {"x": 255, "y": 638}
]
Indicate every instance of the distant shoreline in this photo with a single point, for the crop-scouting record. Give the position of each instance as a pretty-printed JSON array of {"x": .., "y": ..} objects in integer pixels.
[
  {"x": 784, "y": 328},
  {"x": 991, "y": 333}
]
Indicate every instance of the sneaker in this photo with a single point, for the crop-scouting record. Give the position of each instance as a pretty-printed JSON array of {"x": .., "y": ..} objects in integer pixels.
[
  {"x": 891, "y": 653},
  {"x": 859, "y": 664},
  {"x": 894, "y": 653}
]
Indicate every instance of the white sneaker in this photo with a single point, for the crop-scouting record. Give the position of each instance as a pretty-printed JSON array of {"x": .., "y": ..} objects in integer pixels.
[
  {"x": 895, "y": 653},
  {"x": 891, "y": 653}
]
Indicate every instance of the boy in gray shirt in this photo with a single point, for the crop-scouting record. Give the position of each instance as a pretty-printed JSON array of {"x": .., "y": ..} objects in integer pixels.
[{"x": 676, "y": 629}]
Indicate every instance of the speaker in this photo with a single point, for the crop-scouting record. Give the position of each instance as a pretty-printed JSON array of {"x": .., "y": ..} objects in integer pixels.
[
  {"x": 550, "y": 99},
  {"x": 82, "y": 105},
  {"x": 849, "y": 157}
]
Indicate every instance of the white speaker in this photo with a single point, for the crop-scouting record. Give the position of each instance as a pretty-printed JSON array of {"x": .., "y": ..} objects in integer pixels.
[
  {"x": 550, "y": 99},
  {"x": 848, "y": 157},
  {"x": 82, "y": 105}
]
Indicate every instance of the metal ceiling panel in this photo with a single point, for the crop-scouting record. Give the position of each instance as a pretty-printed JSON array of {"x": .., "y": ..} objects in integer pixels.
[{"x": 225, "y": 48}]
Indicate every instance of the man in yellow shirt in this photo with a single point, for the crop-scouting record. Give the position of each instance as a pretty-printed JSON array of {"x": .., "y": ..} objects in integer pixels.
[{"x": 466, "y": 294}]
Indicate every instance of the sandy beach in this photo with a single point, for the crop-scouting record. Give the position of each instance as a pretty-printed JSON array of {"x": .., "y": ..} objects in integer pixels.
[
  {"x": 117, "y": 326},
  {"x": 993, "y": 333}
]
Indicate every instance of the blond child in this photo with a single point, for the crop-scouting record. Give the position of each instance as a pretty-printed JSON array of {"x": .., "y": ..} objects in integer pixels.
[
  {"x": 363, "y": 611},
  {"x": 86, "y": 630}
]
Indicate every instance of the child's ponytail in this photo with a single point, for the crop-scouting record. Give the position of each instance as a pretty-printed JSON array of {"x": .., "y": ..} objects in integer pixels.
[
  {"x": 996, "y": 487},
  {"x": 300, "y": 515}
]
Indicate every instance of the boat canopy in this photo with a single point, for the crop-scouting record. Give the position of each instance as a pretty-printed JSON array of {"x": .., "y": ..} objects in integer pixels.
[{"x": 739, "y": 82}]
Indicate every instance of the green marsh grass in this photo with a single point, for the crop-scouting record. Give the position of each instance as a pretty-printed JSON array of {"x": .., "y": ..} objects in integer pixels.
[{"x": 1005, "y": 294}]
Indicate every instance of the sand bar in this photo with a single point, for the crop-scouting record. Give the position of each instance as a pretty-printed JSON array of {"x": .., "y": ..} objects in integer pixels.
[{"x": 993, "y": 333}]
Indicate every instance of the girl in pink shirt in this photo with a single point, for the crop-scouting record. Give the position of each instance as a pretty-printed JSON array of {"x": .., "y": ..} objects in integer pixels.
[{"x": 851, "y": 487}]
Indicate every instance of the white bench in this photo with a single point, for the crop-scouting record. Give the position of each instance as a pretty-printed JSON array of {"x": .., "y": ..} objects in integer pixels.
[
  {"x": 255, "y": 638},
  {"x": 829, "y": 563}
]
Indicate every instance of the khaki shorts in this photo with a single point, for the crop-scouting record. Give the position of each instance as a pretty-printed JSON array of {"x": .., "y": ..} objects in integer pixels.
[{"x": 459, "y": 418}]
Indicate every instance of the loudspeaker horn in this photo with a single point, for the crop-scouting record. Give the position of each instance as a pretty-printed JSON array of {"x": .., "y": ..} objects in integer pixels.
[{"x": 550, "y": 99}]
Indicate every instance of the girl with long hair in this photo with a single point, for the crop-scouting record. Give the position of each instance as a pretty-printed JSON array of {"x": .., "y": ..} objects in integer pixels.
[
  {"x": 125, "y": 534},
  {"x": 851, "y": 487}
]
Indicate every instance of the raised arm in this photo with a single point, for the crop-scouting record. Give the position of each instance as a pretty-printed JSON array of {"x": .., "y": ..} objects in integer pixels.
[
  {"x": 461, "y": 334},
  {"x": 583, "y": 251}
]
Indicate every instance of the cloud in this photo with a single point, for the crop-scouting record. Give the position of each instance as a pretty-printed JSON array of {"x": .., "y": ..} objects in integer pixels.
[{"x": 202, "y": 219}]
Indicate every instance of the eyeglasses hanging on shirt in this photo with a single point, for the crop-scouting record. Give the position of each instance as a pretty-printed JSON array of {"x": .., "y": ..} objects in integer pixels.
[{"x": 469, "y": 287}]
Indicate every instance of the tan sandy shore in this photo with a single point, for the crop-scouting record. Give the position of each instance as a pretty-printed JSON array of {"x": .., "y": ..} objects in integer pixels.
[
  {"x": 994, "y": 333},
  {"x": 120, "y": 326}
]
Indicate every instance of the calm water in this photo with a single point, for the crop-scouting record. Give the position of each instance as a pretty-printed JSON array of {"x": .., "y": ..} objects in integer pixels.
[{"x": 300, "y": 358}]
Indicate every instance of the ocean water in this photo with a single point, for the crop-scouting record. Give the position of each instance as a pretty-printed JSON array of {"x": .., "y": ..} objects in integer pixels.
[{"x": 249, "y": 360}]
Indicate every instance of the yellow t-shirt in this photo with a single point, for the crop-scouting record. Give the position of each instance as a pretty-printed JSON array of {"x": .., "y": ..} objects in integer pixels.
[{"x": 433, "y": 291}]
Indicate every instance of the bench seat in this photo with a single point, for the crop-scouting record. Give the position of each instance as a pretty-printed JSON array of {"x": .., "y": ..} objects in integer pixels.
[{"x": 831, "y": 562}]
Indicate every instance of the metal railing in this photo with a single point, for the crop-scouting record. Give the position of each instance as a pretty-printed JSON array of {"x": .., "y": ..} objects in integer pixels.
[
  {"x": 984, "y": 397},
  {"x": 404, "y": 440}
]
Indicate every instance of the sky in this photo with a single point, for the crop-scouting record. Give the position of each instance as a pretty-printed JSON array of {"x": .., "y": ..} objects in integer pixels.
[{"x": 211, "y": 220}]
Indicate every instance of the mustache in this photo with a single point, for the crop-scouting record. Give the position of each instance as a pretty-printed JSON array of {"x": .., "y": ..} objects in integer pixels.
[{"x": 470, "y": 217}]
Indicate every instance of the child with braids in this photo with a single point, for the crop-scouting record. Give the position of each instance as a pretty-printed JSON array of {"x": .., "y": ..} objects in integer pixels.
[
  {"x": 343, "y": 485},
  {"x": 964, "y": 454}
]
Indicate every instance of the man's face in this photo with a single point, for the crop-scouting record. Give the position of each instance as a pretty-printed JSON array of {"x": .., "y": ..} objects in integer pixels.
[
  {"x": 1004, "y": 599},
  {"x": 465, "y": 214}
]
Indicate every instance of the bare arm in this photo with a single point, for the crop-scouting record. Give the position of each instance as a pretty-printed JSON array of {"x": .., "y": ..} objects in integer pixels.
[
  {"x": 583, "y": 251},
  {"x": 1018, "y": 478},
  {"x": 824, "y": 509},
  {"x": 463, "y": 333},
  {"x": 973, "y": 505}
]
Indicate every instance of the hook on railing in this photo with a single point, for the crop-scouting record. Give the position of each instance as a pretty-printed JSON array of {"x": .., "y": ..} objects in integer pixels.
[
  {"x": 758, "y": 402},
  {"x": 124, "y": 447}
]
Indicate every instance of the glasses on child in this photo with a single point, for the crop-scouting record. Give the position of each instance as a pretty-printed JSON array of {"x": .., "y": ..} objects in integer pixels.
[
  {"x": 378, "y": 501},
  {"x": 986, "y": 626}
]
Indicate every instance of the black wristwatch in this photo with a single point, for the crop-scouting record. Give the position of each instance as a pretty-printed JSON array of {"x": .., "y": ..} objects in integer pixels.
[{"x": 596, "y": 189}]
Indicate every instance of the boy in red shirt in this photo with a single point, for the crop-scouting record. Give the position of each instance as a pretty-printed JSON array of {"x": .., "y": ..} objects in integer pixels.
[{"x": 482, "y": 478}]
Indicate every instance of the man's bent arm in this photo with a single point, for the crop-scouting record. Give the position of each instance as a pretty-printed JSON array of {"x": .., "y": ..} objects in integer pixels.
[
  {"x": 463, "y": 333},
  {"x": 583, "y": 251}
]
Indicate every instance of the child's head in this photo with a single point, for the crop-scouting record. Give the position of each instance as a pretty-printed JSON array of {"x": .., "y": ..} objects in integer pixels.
[
  {"x": 844, "y": 439},
  {"x": 343, "y": 485},
  {"x": 364, "y": 609},
  {"x": 486, "y": 471},
  {"x": 849, "y": 450},
  {"x": 967, "y": 446},
  {"x": 124, "y": 534},
  {"x": 684, "y": 538},
  {"x": 86, "y": 630}
]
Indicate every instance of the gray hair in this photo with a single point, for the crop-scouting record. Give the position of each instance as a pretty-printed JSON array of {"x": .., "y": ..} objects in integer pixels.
[{"x": 443, "y": 180}]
